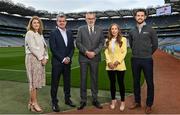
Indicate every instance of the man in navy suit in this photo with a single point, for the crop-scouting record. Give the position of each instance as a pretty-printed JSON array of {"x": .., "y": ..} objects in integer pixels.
[{"x": 62, "y": 47}]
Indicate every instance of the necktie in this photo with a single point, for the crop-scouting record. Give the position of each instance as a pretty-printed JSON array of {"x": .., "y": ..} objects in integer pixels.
[{"x": 91, "y": 30}]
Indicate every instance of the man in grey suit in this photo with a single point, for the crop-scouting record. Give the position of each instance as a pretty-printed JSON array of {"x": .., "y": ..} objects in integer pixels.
[{"x": 90, "y": 41}]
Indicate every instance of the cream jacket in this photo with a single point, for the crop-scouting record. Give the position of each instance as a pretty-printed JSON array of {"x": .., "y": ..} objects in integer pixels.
[{"x": 36, "y": 45}]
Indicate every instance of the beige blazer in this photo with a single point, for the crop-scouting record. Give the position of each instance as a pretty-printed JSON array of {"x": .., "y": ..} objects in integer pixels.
[{"x": 36, "y": 45}]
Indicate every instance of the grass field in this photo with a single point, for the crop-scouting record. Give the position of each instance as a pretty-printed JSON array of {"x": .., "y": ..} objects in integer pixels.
[
  {"x": 14, "y": 98},
  {"x": 12, "y": 68},
  {"x": 14, "y": 87}
]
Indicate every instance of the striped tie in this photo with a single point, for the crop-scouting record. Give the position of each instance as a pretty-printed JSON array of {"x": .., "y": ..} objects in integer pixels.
[{"x": 91, "y": 30}]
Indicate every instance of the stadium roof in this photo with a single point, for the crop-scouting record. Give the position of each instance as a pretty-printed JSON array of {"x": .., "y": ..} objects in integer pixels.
[
  {"x": 175, "y": 4},
  {"x": 109, "y": 13},
  {"x": 20, "y": 9}
]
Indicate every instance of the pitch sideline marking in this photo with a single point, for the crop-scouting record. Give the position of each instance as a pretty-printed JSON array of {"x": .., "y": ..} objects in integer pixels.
[{"x": 15, "y": 70}]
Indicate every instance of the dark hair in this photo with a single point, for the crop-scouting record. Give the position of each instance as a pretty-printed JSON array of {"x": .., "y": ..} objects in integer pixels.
[
  {"x": 93, "y": 13},
  {"x": 140, "y": 10},
  {"x": 110, "y": 36},
  {"x": 61, "y": 15}
]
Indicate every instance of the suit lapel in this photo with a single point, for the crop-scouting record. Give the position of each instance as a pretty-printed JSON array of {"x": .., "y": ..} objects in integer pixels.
[
  {"x": 60, "y": 37},
  {"x": 68, "y": 37},
  {"x": 94, "y": 33},
  {"x": 87, "y": 31},
  {"x": 93, "y": 36},
  {"x": 90, "y": 37}
]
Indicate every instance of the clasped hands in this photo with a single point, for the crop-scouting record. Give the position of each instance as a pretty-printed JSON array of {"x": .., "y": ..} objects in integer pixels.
[
  {"x": 112, "y": 65},
  {"x": 90, "y": 54},
  {"x": 66, "y": 60},
  {"x": 44, "y": 61}
]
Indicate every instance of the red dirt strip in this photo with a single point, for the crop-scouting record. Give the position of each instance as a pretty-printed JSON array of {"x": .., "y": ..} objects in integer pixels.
[{"x": 167, "y": 90}]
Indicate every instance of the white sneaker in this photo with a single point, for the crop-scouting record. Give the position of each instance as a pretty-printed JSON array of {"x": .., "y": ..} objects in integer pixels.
[
  {"x": 122, "y": 107},
  {"x": 113, "y": 104}
]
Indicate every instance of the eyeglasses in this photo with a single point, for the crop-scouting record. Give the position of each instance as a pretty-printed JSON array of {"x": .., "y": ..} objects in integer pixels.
[{"x": 90, "y": 18}]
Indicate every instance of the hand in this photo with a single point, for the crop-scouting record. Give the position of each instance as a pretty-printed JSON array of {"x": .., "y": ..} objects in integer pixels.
[
  {"x": 111, "y": 65},
  {"x": 67, "y": 60},
  {"x": 116, "y": 63},
  {"x": 90, "y": 54},
  {"x": 44, "y": 61}
]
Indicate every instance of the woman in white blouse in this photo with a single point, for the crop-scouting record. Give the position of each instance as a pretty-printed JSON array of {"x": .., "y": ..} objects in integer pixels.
[
  {"x": 36, "y": 59},
  {"x": 115, "y": 52}
]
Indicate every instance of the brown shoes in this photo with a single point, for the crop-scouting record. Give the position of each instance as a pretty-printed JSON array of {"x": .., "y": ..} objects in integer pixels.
[
  {"x": 135, "y": 105},
  {"x": 148, "y": 110}
]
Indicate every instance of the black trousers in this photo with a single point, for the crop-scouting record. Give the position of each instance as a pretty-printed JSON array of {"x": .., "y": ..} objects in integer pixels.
[
  {"x": 145, "y": 64},
  {"x": 120, "y": 78},
  {"x": 57, "y": 70}
]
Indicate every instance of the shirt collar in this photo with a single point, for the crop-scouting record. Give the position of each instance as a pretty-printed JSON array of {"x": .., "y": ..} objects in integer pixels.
[
  {"x": 61, "y": 30},
  {"x": 141, "y": 25},
  {"x": 89, "y": 27}
]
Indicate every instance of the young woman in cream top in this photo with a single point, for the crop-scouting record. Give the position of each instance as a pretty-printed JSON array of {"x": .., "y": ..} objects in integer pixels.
[{"x": 115, "y": 52}]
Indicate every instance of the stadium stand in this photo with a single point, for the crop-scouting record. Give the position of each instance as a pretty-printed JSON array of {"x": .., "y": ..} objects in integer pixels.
[
  {"x": 11, "y": 23},
  {"x": 13, "y": 27},
  {"x": 11, "y": 42}
]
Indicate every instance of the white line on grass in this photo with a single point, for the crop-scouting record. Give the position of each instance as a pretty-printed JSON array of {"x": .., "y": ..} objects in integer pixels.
[{"x": 15, "y": 70}]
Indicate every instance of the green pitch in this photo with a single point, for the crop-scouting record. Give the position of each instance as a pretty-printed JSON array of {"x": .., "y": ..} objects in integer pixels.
[
  {"x": 12, "y": 68},
  {"x": 14, "y": 86}
]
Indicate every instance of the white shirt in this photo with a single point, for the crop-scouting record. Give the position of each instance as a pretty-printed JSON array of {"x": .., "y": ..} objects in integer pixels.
[
  {"x": 140, "y": 26},
  {"x": 64, "y": 35},
  {"x": 90, "y": 30},
  {"x": 113, "y": 44}
]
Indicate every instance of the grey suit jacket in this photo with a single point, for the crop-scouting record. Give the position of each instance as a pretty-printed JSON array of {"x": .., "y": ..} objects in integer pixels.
[{"x": 94, "y": 42}]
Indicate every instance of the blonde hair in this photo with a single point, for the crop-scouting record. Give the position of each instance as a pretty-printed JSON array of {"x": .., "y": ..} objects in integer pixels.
[{"x": 29, "y": 27}]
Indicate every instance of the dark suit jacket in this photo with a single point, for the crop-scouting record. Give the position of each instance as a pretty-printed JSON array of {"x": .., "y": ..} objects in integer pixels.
[
  {"x": 58, "y": 48},
  {"x": 85, "y": 41}
]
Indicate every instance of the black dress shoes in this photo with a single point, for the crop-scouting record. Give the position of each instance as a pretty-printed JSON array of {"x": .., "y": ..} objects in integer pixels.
[
  {"x": 55, "y": 108},
  {"x": 70, "y": 103},
  {"x": 82, "y": 105},
  {"x": 97, "y": 104}
]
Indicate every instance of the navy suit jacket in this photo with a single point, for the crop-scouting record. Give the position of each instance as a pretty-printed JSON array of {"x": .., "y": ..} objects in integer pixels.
[{"x": 58, "y": 48}]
